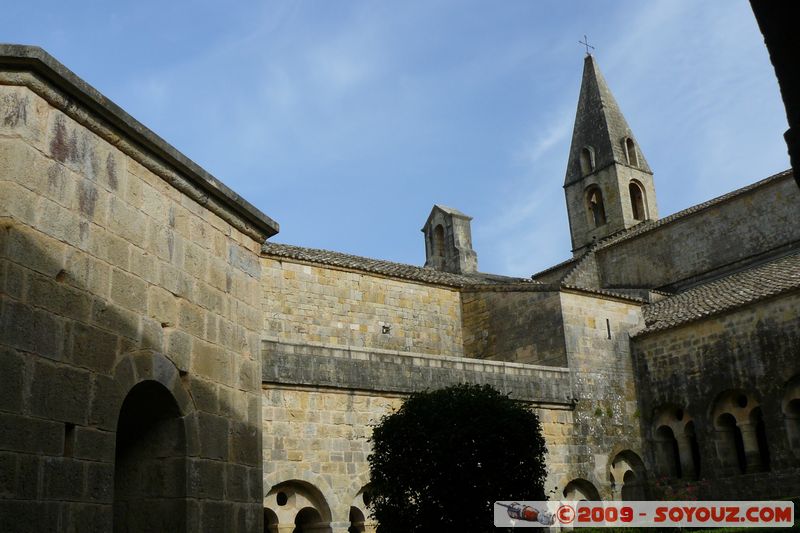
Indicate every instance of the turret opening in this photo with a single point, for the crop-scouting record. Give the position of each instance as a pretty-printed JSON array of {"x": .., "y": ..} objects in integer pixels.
[{"x": 438, "y": 242}]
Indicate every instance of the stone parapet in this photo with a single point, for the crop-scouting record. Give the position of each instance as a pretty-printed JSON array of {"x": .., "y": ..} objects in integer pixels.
[{"x": 402, "y": 372}]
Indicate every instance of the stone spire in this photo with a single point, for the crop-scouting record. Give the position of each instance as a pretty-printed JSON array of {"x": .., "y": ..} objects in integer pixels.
[
  {"x": 608, "y": 184},
  {"x": 599, "y": 124}
]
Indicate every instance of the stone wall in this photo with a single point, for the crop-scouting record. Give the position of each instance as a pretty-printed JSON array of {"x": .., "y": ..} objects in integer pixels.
[
  {"x": 518, "y": 326},
  {"x": 606, "y": 416},
  {"x": 752, "y": 352},
  {"x": 111, "y": 278},
  {"x": 318, "y": 304},
  {"x": 746, "y": 224},
  {"x": 320, "y": 437}
]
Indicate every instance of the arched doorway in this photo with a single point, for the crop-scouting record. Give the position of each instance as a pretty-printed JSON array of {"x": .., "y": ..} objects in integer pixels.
[{"x": 150, "y": 462}]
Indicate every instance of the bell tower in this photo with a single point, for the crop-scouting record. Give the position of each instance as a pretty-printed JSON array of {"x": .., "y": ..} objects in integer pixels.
[{"x": 609, "y": 185}]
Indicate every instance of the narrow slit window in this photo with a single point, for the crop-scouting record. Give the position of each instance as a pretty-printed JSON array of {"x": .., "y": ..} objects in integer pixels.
[
  {"x": 587, "y": 160},
  {"x": 630, "y": 152}
]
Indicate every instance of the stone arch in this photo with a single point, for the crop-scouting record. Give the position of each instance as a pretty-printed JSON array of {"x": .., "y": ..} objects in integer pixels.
[
  {"x": 638, "y": 200},
  {"x": 628, "y": 476},
  {"x": 587, "y": 160},
  {"x": 580, "y": 489},
  {"x": 145, "y": 365},
  {"x": 299, "y": 503},
  {"x": 359, "y": 514},
  {"x": 594, "y": 206},
  {"x": 677, "y": 453},
  {"x": 790, "y": 408},
  {"x": 741, "y": 437},
  {"x": 630, "y": 151},
  {"x": 152, "y": 443}
]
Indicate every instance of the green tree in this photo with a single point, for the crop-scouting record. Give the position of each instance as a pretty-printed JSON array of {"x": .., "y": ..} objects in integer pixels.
[{"x": 442, "y": 460}]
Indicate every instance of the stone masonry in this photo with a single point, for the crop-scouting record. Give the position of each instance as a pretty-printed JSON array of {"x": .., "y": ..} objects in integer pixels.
[{"x": 165, "y": 366}]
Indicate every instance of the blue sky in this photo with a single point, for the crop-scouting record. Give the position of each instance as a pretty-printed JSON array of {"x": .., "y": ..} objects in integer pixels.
[{"x": 346, "y": 121}]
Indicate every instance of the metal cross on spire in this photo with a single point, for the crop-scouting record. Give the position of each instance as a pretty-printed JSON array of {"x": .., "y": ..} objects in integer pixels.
[{"x": 585, "y": 42}]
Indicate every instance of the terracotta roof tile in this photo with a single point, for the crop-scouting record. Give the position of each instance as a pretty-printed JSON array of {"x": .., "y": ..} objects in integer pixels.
[
  {"x": 715, "y": 297},
  {"x": 385, "y": 268}
]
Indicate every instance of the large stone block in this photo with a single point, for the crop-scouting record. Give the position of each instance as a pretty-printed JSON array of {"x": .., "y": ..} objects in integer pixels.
[
  {"x": 115, "y": 319},
  {"x": 191, "y": 318},
  {"x": 245, "y": 443},
  {"x": 12, "y": 367},
  {"x": 18, "y": 202},
  {"x": 63, "y": 478},
  {"x": 59, "y": 392},
  {"x": 8, "y": 474},
  {"x": 214, "y": 432},
  {"x": 94, "y": 445},
  {"x": 212, "y": 361},
  {"x": 206, "y": 479},
  {"x": 93, "y": 347},
  {"x": 30, "y": 330},
  {"x": 28, "y": 516},
  {"x": 100, "y": 482},
  {"x": 109, "y": 247},
  {"x": 215, "y": 516},
  {"x": 87, "y": 273},
  {"x": 128, "y": 291},
  {"x": 33, "y": 249}
]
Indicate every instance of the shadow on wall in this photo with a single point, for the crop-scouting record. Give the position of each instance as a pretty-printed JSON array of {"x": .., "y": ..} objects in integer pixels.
[{"x": 100, "y": 430}]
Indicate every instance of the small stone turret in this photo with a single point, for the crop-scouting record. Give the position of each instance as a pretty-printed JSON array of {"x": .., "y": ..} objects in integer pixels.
[{"x": 448, "y": 241}]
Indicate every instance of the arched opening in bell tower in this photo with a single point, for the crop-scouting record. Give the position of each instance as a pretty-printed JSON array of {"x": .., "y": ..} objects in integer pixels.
[
  {"x": 597, "y": 211},
  {"x": 637, "y": 201}
]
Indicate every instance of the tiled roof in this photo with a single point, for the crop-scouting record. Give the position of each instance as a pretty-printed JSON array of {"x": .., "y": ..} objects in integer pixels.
[
  {"x": 651, "y": 225},
  {"x": 604, "y": 292},
  {"x": 385, "y": 268},
  {"x": 769, "y": 279},
  {"x": 555, "y": 267}
]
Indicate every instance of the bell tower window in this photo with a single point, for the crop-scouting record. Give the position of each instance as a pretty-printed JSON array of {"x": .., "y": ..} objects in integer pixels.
[
  {"x": 630, "y": 152},
  {"x": 637, "y": 201},
  {"x": 587, "y": 160},
  {"x": 594, "y": 200}
]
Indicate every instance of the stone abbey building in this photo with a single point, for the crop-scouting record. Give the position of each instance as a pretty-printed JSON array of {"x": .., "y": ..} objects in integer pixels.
[{"x": 165, "y": 367}]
